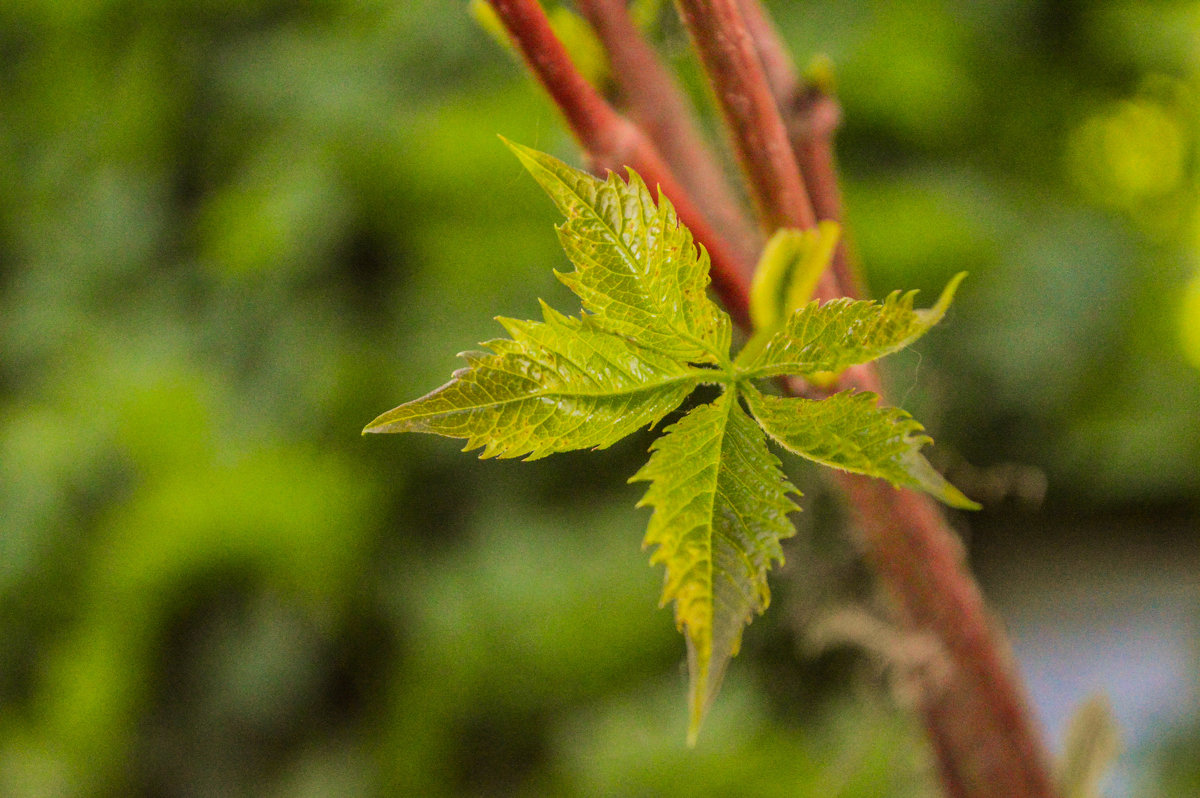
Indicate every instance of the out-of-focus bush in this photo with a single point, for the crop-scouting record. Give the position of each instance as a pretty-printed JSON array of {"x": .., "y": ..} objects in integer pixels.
[{"x": 232, "y": 233}]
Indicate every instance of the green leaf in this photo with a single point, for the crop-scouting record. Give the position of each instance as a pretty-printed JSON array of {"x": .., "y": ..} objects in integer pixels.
[
  {"x": 787, "y": 272},
  {"x": 556, "y": 386},
  {"x": 720, "y": 509},
  {"x": 649, "y": 334},
  {"x": 637, "y": 268},
  {"x": 843, "y": 333},
  {"x": 850, "y": 431}
]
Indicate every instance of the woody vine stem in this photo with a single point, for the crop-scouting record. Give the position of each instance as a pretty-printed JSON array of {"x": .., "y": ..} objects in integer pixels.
[{"x": 782, "y": 130}]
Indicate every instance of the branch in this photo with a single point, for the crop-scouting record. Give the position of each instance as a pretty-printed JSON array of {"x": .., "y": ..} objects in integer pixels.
[
  {"x": 980, "y": 728},
  {"x": 759, "y": 136},
  {"x": 613, "y": 142},
  {"x": 778, "y": 68},
  {"x": 812, "y": 116},
  {"x": 651, "y": 97},
  {"x": 811, "y": 127}
]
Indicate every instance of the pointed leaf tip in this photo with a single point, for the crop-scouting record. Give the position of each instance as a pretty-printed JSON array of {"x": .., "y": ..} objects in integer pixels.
[
  {"x": 943, "y": 303},
  {"x": 927, "y": 478},
  {"x": 833, "y": 336},
  {"x": 638, "y": 271},
  {"x": 516, "y": 148},
  {"x": 851, "y": 432}
]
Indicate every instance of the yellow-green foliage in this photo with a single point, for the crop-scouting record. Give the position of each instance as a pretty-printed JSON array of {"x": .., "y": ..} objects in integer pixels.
[{"x": 648, "y": 335}]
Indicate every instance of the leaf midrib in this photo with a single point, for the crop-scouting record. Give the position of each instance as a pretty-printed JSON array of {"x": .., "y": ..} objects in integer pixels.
[
  {"x": 558, "y": 392},
  {"x": 730, "y": 399}
]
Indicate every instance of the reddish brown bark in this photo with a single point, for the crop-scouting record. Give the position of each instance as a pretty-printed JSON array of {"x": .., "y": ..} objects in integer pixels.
[
  {"x": 649, "y": 95},
  {"x": 759, "y": 135},
  {"x": 977, "y": 719},
  {"x": 613, "y": 142},
  {"x": 812, "y": 116}
]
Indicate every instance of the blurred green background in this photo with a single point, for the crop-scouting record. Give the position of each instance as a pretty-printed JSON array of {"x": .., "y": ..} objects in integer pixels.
[{"x": 231, "y": 233}]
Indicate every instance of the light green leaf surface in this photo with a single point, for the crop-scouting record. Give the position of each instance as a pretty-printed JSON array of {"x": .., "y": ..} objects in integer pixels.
[
  {"x": 852, "y": 432},
  {"x": 556, "y": 386},
  {"x": 721, "y": 506},
  {"x": 637, "y": 268},
  {"x": 843, "y": 333}
]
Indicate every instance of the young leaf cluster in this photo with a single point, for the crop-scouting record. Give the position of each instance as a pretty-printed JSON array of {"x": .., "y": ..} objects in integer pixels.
[{"x": 648, "y": 336}]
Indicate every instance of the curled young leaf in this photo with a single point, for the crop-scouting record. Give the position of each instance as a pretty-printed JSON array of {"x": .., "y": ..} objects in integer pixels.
[{"x": 787, "y": 272}]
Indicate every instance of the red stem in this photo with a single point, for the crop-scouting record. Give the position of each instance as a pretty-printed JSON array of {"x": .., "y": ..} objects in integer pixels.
[
  {"x": 759, "y": 135},
  {"x": 812, "y": 117},
  {"x": 812, "y": 126},
  {"x": 613, "y": 142},
  {"x": 652, "y": 99},
  {"x": 979, "y": 725},
  {"x": 778, "y": 69}
]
